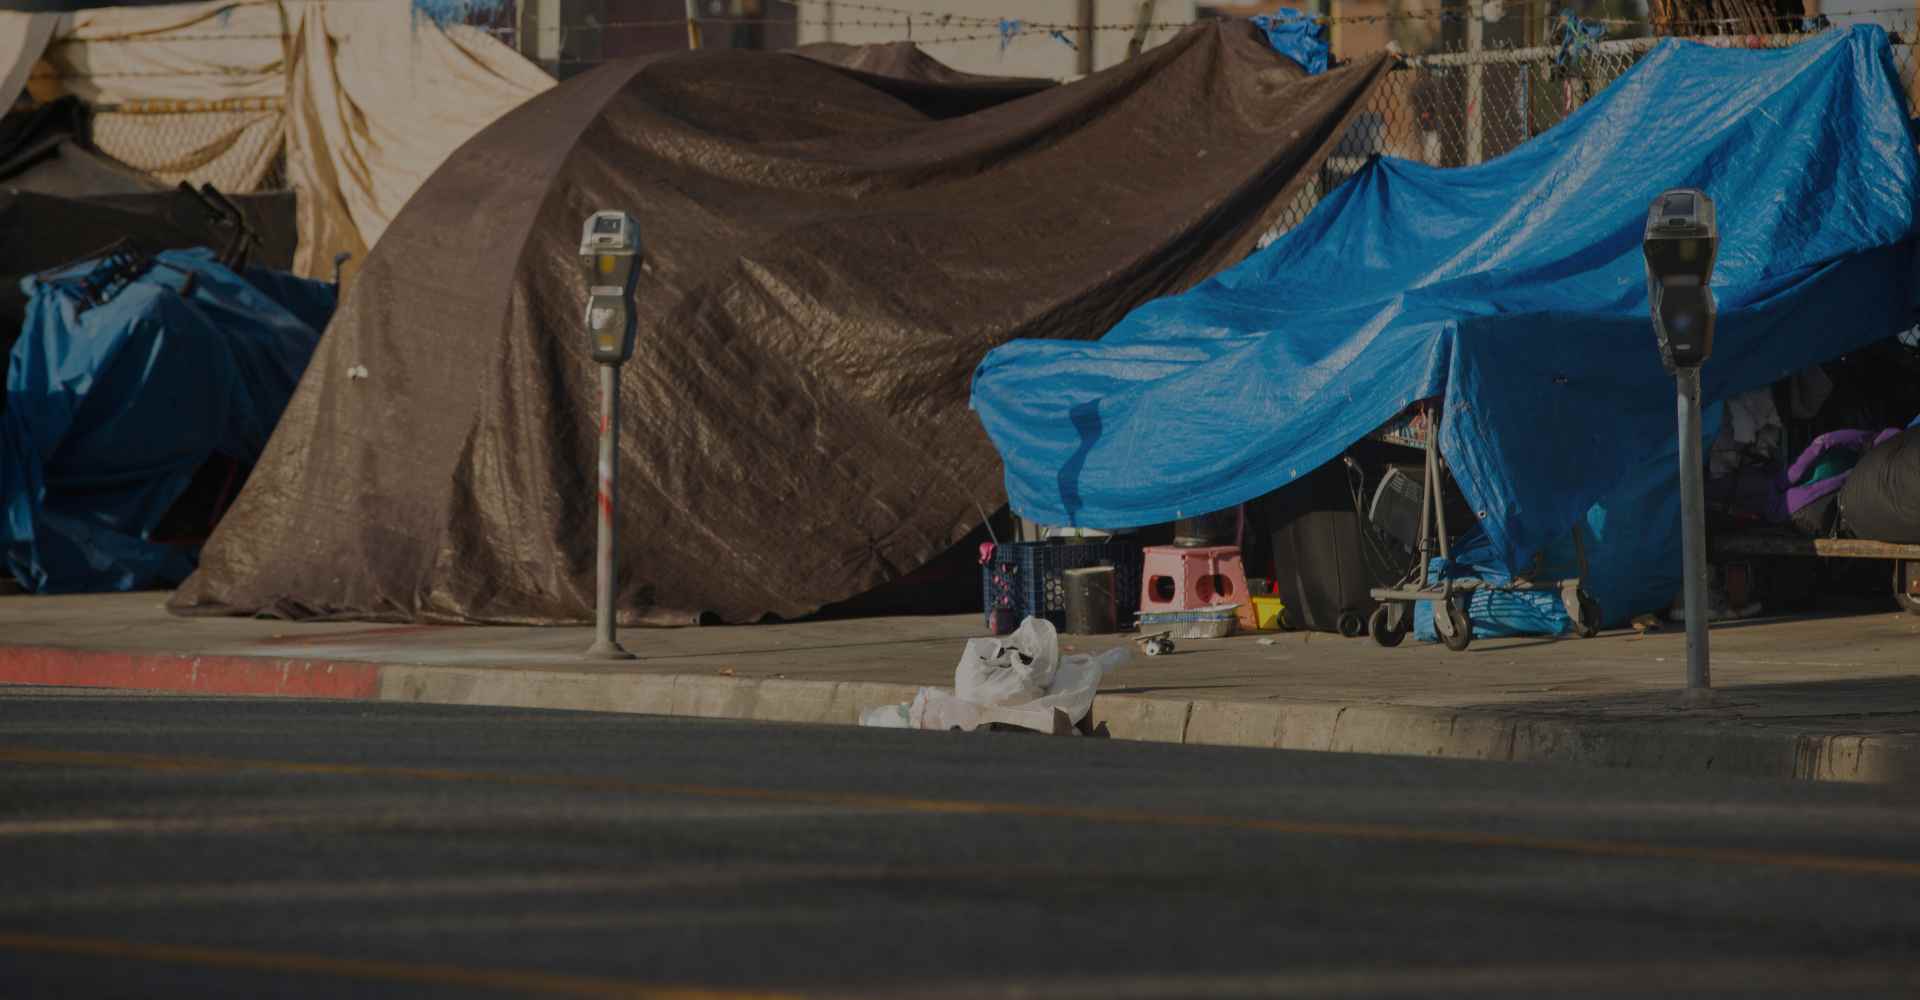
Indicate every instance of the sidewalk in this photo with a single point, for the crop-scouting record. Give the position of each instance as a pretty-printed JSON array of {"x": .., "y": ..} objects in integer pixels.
[{"x": 1830, "y": 698}]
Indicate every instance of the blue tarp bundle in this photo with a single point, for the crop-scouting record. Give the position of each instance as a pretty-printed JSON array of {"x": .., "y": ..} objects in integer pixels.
[
  {"x": 1516, "y": 292},
  {"x": 1298, "y": 37},
  {"x": 112, "y": 408}
]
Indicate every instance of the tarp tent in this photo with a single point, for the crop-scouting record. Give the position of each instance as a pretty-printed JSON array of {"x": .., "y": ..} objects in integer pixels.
[
  {"x": 129, "y": 377},
  {"x": 906, "y": 72},
  {"x": 826, "y": 263},
  {"x": 1515, "y": 290},
  {"x": 359, "y": 101}
]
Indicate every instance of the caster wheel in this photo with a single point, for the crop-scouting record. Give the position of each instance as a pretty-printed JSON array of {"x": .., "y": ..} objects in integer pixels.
[
  {"x": 1462, "y": 637},
  {"x": 1166, "y": 645},
  {"x": 1352, "y": 625},
  {"x": 1380, "y": 625},
  {"x": 1904, "y": 574},
  {"x": 1589, "y": 616}
]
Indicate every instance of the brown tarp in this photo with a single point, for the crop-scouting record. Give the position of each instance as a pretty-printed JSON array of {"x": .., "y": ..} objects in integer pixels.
[
  {"x": 825, "y": 265},
  {"x": 931, "y": 86}
]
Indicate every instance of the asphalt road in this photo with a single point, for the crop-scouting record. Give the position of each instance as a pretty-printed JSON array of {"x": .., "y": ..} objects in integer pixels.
[{"x": 170, "y": 846}]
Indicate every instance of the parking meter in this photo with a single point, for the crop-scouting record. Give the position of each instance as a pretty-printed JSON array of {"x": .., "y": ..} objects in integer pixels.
[
  {"x": 1682, "y": 239},
  {"x": 610, "y": 248},
  {"x": 1681, "y": 242}
]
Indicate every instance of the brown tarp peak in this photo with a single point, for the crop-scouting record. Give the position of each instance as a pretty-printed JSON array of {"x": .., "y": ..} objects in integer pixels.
[{"x": 826, "y": 263}]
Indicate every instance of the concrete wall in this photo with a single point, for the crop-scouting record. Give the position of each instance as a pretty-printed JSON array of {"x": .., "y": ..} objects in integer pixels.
[
  {"x": 568, "y": 36},
  {"x": 1035, "y": 54}
]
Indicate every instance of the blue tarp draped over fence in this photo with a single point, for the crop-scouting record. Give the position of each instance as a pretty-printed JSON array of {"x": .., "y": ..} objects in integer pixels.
[
  {"x": 1516, "y": 292},
  {"x": 1298, "y": 37},
  {"x": 112, "y": 408}
]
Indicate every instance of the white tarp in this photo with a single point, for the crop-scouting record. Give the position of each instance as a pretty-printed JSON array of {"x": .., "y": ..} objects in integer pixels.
[
  {"x": 22, "y": 38},
  {"x": 365, "y": 98}
]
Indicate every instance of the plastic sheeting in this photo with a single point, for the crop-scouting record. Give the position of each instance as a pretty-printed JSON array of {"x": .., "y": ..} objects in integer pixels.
[
  {"x": 826, "y": 263},
  {"x": 1020, "y": 680},
  {"x": 1515, "y": 289},
  {"x": 1298, "y": 37},
  {"x": 1632, "y": 537},
  {"x": 23, "y": 36},
  {"x": 112, "y": 408},
  {"x": 365, "y": 99}
]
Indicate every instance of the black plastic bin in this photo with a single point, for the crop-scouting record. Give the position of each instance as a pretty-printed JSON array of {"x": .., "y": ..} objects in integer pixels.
[{"x": 1025, "y": 578}]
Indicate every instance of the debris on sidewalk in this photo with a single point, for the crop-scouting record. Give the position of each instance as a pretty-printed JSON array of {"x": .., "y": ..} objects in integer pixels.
[{"x": 1020, "y": 681}]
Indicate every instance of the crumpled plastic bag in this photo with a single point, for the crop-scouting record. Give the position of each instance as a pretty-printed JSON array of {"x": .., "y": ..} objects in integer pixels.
[{"x": 1018, "y": 680}]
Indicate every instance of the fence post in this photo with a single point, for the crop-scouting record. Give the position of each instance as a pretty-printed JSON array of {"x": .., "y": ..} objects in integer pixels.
[
  {"x": 1083, "y": 54},
  {"x": 1476, "y": 42},
  {"x": 1142, "y": 21},
  {"x": 693, "y": 24},
  {"x": 1475, "y": 81}
]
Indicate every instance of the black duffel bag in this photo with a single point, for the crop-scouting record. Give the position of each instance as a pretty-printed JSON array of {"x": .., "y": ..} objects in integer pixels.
[{"x": 1881, "y": 499}]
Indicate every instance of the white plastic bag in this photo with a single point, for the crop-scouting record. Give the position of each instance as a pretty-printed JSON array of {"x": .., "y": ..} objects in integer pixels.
[
  {"x": 1020, "y": 680},
  {"x": 1009, "y": 671}
]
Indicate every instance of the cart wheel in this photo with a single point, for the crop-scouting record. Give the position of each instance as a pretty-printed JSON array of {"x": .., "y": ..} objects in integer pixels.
[
  {"x": 1166, "y": 645},
  {"x": 1379, "y": 625},
  {"x": 1151, "y": 647},
  {"x": 1462, "y": 636},
  {"x": 1904, "y": 573},
  {"x": 1352, "y": 625},
  {"x": 1589, "y": 616}
]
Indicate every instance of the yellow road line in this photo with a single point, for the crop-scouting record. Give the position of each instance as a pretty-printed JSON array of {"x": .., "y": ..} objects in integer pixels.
[
  {"x": 357, "y": 968},
  {"x": 1376, "y": 832}
]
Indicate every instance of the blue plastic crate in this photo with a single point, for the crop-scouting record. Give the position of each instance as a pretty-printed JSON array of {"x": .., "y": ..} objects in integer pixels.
[{"x": 1027, "y": 577}]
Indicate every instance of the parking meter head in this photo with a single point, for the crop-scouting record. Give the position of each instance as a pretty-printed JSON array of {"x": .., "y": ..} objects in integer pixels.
[
  {"x": 610, "y": 252},
  {"x": 1681, "y": 242}
]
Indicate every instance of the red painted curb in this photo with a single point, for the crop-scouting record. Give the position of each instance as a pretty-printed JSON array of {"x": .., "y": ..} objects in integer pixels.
[{"x": 58, "y": 667}]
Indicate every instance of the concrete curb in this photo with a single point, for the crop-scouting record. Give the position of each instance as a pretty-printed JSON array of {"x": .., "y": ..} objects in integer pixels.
[{"x": 1724, "y": 747}]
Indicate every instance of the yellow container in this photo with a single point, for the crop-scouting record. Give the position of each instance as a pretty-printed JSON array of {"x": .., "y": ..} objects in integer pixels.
[{"x": 1269, "y": 614}]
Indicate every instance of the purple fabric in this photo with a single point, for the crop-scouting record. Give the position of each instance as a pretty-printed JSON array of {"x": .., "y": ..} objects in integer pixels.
[{"x": 1800, "y": 496}]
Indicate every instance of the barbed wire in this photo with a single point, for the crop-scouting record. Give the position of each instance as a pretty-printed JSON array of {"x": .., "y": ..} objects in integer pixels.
[
  {"x": 166, "y": 39},
  {"x": 1002, "y": 30},
  {"x": 937, "y": 16}
]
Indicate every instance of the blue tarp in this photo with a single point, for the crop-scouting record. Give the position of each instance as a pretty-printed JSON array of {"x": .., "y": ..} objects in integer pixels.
[
  {"x": 1516, "y": 292},
  {"x": 1298, "y": 37},
  {"x": 112, "y": 408}
]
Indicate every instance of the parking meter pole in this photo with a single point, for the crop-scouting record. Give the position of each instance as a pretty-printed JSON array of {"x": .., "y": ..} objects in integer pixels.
[
  {"x": 1693, "y": 530},
  {"x": 610, "y": 252},
  {"x": 1681, "y": 242},
  {"x": 605, "y": 645}
]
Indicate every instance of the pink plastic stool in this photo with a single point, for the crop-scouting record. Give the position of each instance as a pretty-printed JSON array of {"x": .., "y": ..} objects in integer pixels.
[{"x": 1176, "y": 579}]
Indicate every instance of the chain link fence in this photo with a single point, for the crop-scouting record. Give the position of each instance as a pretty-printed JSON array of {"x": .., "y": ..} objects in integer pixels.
[
  {"x": 237, "y": 147},
  {"x": 1454, "y": 108},
  {"x": 1446, "y": 108}
]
